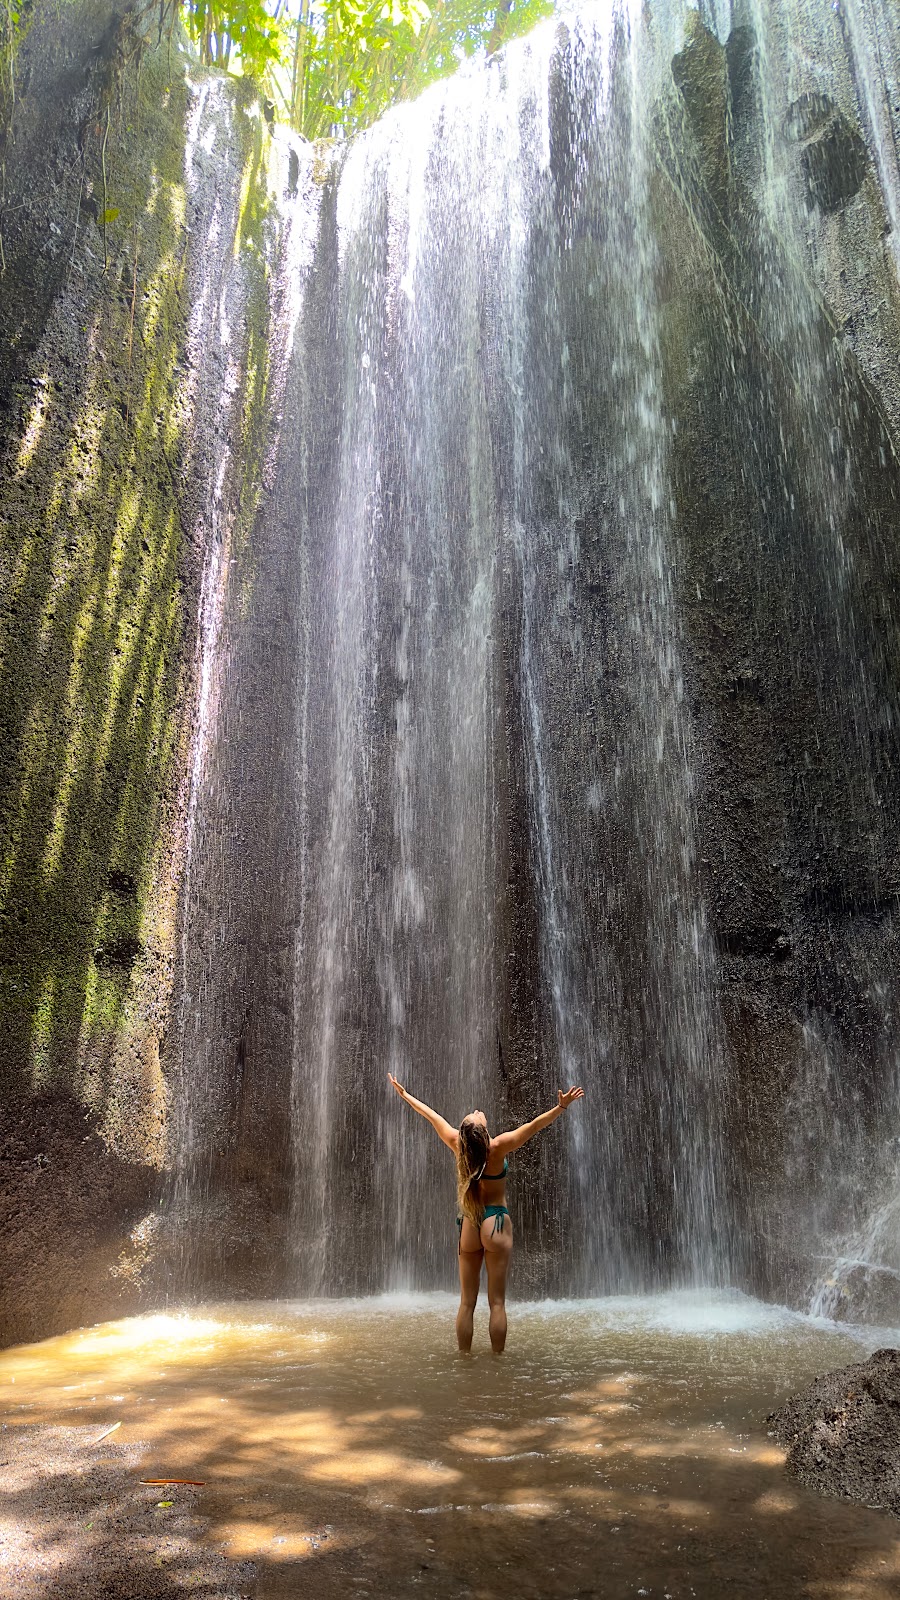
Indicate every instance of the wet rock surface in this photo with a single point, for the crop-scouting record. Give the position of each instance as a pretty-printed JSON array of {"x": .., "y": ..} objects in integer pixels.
[
  {"x": 68, "y": 1206},
  {"x": 843, "y": 1433},
  {"x": 834, "y": 165}
]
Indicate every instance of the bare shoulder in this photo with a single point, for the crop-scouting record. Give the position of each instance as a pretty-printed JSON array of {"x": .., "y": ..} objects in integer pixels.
[{"x": 504, "y": 1144}]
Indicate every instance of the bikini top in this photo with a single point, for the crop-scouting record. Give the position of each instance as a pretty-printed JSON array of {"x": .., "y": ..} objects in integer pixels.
[{"x": 492, "y": 1177}]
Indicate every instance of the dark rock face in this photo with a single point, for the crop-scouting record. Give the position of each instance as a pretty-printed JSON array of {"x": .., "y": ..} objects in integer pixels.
[
  {"x": 701, "y": 72},
  {"x": 834, "y": 164},
  {"x": 834, "y": 158},
  {"x": 71, "y": 1211},
  {"x": 865, "y": 1292},
  {"x": 842, "y": 1434},
  {"x": 803, "y": 915}
]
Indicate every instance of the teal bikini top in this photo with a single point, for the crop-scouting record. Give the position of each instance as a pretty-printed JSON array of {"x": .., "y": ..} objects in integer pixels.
[{"x": 492, "y": 1177}]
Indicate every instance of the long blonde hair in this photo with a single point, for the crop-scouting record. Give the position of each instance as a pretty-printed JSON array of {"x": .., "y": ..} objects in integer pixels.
[{"x": 472, "y": 1150}]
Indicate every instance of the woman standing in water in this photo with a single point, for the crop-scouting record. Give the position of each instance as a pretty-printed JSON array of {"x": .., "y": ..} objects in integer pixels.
[{"x": 485, "y": 1226}]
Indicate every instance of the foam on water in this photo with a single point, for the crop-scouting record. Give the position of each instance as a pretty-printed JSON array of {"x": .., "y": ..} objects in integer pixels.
[{"x": 683, "y": 1313}]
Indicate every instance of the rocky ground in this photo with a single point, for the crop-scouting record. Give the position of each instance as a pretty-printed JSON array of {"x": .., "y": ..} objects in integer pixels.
[
  {"x": 843, "y": 1433},
  {"x": 76, "y": 1521}
]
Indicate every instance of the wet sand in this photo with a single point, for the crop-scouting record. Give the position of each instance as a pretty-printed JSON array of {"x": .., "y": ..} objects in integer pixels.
[{"x": 619, "y": 1448}]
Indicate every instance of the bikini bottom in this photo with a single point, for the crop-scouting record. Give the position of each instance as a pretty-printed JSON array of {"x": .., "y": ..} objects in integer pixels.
[{"x": 499, "y": 1214}]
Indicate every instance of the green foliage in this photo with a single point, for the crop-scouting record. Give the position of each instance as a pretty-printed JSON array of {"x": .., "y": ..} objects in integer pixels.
[
  {"x": 15, "y": 20},
  {"x": 16, "y": 17},
  {"x": 246, "y": 31},
  {"x": 354, "y": 58},
  {"x": 336, "y": 65},
  {"x": 331, "y": 67}
]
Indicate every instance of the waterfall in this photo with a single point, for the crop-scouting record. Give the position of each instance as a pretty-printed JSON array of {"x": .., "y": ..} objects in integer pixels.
[
  {"x": 457, "y": 504},
  {"x": 574, "y": 508},
  {"x": 477, "y": 511}
]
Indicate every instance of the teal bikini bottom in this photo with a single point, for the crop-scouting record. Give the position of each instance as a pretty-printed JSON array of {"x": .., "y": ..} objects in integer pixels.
[{"x": 499, "y": 1214}]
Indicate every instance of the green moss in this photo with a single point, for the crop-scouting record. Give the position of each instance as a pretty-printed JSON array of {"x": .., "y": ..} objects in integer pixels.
[
  {"x": 98, "y": 628},
  {"x": 15, "y": 23},
  {"x": 256, "y": 222},
  {"x": 91, "y": 667}
]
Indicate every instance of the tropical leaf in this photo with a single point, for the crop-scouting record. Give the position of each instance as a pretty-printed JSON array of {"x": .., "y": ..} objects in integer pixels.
[{"x": 336, "y": 65}]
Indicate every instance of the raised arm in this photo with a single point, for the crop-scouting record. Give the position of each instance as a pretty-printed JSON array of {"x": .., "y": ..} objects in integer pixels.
[
  {"x": 505, "y": 1142},
  {"x": 440, "y": 1125}
]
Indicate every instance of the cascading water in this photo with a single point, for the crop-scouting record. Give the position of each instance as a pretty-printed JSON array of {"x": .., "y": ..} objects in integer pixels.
[
  {"x": 463, "y": 258},
  {"x": 226, "y": 335},
  {"x": 575, "y": 505},
  {"x": 648, "y": 1157},
  {"x": 399, "y": 968}
]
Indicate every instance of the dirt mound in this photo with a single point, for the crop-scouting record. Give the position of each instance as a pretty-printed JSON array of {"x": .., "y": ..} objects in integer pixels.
[{"x": 843, "y": 1432}]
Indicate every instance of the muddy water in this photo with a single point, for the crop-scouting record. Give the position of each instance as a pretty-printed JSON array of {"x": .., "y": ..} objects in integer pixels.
[{"x": 619, "y": 1447}]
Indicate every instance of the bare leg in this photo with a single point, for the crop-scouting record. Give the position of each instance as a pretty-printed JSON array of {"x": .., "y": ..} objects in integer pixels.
[
  {"x": 469, "y": 1279},
  {"x": 497, "y": 1251}
]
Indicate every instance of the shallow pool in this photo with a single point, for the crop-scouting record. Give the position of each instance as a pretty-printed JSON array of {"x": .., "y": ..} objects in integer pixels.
[{"x": 618, "y": 1448}]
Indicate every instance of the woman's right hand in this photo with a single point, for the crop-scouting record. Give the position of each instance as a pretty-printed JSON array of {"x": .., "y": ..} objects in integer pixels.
[
  {"x": 398, "y": 1086},
  {"x": 566, "y": 1096}
]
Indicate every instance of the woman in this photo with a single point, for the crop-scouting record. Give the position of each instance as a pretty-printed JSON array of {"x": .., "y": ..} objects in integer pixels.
[{"x": 485, "y": 1227}]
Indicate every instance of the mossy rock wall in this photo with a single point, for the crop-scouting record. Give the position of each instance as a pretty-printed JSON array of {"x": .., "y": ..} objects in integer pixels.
[{"x": 134, "y": 372}]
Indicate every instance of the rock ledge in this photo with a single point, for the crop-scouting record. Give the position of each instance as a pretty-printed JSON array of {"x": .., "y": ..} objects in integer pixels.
[{"x": 843, "y": 1433}]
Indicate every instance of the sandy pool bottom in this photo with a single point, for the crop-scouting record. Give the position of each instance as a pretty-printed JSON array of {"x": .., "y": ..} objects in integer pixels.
[{"x": 619, "y": 1448}]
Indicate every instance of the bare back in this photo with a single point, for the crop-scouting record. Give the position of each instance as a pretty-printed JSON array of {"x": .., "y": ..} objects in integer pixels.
[{"x": 492, "y": 1190}]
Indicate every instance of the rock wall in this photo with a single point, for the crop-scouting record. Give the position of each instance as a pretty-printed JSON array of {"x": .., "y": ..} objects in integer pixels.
[
  {"x": 133, "y": 374},
  {"x": 788, "y": 488}
]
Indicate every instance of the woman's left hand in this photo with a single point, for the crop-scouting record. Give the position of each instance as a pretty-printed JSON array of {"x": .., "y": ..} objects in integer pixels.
[
  {"x": 566, "y": 1096},
  {"x": 398, "y": 1086}
]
